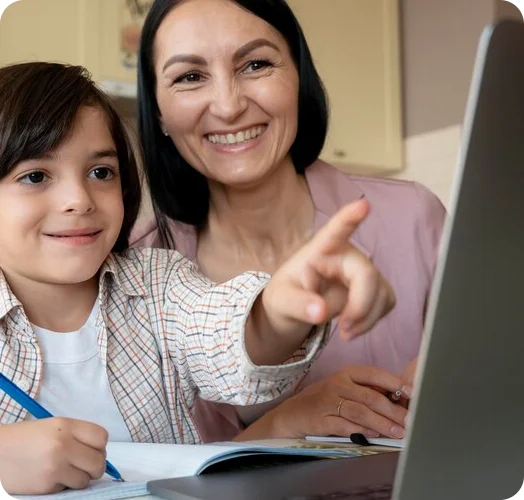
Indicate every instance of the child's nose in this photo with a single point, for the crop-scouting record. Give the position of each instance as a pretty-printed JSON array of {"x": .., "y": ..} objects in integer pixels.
[{"x": 77, "y": 200}]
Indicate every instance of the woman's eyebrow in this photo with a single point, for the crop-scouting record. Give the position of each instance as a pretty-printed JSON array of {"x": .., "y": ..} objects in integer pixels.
[
  {"x": 184, "y": 58},
  {"x": 239, "y": 53},
  {"x": 250, "y": 46}
]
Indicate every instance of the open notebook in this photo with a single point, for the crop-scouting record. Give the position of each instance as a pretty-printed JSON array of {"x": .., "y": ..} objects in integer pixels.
[{"x": 139, "y": 462}]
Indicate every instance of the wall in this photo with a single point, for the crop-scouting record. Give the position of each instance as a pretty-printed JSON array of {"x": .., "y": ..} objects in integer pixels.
[
  {"x": 439, "y": 45},
  {"x": 439, "y": 42}
]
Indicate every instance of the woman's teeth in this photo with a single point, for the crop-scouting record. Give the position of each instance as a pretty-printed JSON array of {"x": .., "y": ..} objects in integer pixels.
[{"x": 237, "y": 138}]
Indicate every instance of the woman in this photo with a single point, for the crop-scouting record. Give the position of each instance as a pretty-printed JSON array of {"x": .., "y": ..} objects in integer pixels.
[{"x": 232, "y": 118}]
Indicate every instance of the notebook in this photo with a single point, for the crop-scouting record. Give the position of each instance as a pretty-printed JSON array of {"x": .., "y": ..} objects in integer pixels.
[
  {"x": 142, "y": 462},
  {"x": 394, "y": 443}
]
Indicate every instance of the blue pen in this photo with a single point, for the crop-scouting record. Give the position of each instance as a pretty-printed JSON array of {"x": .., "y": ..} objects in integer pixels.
[{"x": 38, "y": 411}]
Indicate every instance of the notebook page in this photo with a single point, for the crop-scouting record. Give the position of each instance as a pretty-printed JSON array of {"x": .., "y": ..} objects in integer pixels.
[
  {"x": 103, "y": 489},
  {"x": 389, "y": 442},
  {"x": 139, "y": 463}
]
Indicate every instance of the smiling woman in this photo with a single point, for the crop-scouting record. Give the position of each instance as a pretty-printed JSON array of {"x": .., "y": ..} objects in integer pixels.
[
  {"x": 232, "y": 118},
  {"x": 204, "y": 103}
]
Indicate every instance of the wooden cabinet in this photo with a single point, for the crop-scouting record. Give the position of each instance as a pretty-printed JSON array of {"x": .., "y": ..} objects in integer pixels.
[
  {"x": 86, "y": 32},
  {"x": 355, "y": 46},
  {"x": 50, "y": 30}
]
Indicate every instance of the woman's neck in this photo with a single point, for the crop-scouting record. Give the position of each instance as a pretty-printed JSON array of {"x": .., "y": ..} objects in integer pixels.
[
  {"x": 257, "y": 227},
  {"x": 55, "y": 307}
]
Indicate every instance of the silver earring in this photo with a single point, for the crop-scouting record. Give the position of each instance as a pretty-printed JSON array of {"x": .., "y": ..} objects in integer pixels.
[{"x": 166, "y": 133}]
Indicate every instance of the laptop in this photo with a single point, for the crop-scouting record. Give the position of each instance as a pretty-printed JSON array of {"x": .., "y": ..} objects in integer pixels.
[{"x": 466, "y": 438}]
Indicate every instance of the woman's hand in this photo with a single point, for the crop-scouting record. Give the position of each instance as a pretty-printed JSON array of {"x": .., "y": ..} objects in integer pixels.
[
  {"x": 45, "y": 456},
  {"x": 409, "y": 373},
  {"x": 353, "y": 400},
  {"x": 408, "y": 379}
]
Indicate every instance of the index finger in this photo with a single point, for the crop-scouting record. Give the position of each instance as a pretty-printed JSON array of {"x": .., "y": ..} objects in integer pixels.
[{"x": 340, "y": 227}]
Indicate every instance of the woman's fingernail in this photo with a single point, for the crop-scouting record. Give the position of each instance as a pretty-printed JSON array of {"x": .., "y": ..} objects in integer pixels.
[
  {"x": 313, "y": 312},
  {"x": 397, "y": 432},
  {"x": 407, "y": 391}
]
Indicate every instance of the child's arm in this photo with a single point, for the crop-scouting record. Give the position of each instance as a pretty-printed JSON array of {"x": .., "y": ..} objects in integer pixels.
[
  {"x": 228, "y": 341},
  {"x": 45, "y": 456}
]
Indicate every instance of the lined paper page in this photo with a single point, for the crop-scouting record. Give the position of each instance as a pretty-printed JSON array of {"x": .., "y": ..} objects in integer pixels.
[
  {"x": 103, "y": 489},
  {"x": 139, "y": 463}
]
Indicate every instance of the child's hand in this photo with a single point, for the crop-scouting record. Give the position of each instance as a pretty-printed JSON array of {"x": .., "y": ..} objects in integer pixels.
[
  {"x": 49, "y": 455},
  {"x": 327, "y": 277}
]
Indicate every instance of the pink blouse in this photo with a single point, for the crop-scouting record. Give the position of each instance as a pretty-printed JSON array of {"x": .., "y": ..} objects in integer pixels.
[{"x": 401, "y": 236}]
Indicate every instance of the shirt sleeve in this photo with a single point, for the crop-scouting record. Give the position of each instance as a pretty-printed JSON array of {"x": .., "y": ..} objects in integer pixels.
[{"x": 205, "y": 325}]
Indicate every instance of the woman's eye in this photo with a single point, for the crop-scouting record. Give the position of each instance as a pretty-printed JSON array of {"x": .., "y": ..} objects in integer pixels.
[
  {"x": 35, "y": 177},
  {"x": 101, "y": 173},
  {"x": 257, "y": 65},
  {"x": 188, "y": 78}
]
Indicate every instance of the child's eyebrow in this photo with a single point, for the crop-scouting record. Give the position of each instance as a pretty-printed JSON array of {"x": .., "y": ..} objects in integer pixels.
[
  {"x": 105, "y": 153},
  {"x": 95, "y": 155}
]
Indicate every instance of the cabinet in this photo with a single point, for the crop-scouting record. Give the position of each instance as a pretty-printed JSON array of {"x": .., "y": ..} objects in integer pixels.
[
  {"x": 86, "y": 32},
  {"x": 51, "y": 30},
  {"x": 355, "y": 46}
]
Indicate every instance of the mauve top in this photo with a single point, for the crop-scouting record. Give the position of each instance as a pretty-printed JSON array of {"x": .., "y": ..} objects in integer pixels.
[{"x": 401, "y": 236}]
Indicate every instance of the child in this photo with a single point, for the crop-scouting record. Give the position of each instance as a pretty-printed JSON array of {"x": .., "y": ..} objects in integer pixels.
[{"x": 119, "y": 344}]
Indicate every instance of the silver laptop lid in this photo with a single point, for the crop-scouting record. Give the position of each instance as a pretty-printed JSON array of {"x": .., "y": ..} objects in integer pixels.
[{"x": 467, "y": 437}]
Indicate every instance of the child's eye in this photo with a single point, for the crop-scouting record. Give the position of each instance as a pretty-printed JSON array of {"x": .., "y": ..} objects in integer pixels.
[
  {"x": 256, "y": 65},
  {"x": 36, "y": 177},
  {"x": 102, "y": 173}
]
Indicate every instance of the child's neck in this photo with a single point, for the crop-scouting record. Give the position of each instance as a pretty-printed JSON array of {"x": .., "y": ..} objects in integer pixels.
[{"x": 59, "y": 308}]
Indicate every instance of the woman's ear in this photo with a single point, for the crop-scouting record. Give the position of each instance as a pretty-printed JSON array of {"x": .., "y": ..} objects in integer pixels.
[{"x": 163, "y": 127}]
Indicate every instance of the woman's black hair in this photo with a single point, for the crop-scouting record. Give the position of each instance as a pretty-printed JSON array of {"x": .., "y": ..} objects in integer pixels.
[
  {"x": 38, "y": 107},
  {"x": 180, "y": 192}
]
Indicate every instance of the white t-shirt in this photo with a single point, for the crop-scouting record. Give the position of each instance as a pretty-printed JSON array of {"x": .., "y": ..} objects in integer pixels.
[{"x": 74, "y": 382}]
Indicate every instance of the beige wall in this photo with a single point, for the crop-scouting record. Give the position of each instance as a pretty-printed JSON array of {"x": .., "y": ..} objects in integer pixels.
[
  {"x": 439, "y": 46},
  {"x": 439, "y": 42}
]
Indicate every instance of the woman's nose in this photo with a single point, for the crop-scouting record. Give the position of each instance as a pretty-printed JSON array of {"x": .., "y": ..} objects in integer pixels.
[{"x": 228, "y": 102}]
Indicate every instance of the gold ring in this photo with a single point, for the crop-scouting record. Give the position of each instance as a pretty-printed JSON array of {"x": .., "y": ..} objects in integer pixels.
[{"x": 340, "y": 406}]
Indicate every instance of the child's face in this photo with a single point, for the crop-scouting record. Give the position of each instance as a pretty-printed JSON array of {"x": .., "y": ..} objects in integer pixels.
[{"x": 60, "y": 215}]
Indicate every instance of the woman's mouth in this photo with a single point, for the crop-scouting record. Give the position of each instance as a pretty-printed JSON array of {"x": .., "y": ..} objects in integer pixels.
[{"x": 237, "y": 138}]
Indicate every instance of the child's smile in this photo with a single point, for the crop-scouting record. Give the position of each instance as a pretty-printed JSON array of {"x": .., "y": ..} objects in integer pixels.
[{"x": 76, "y": 237}]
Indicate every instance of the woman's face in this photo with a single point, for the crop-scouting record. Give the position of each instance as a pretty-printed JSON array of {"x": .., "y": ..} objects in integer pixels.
[{"x": 227, "y": 90}]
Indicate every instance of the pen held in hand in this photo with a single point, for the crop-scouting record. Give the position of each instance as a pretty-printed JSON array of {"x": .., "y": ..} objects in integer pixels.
[{"x": 39, "y": 412}]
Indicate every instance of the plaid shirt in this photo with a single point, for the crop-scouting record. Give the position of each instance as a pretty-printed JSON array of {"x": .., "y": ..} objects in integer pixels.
[{"x": 165, "y": 334}]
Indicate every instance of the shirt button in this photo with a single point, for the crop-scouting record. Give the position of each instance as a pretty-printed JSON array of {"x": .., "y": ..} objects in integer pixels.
[{"x": 24, "y": 384}]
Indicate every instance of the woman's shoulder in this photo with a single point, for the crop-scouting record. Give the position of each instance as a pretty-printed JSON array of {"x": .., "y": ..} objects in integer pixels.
[{"x": 393, "y": 199}]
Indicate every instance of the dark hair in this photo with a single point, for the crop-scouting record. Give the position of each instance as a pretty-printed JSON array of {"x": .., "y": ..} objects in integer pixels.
[
  {"x": 38, "y": 107},
  {"x": 179, "y": 191}
]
